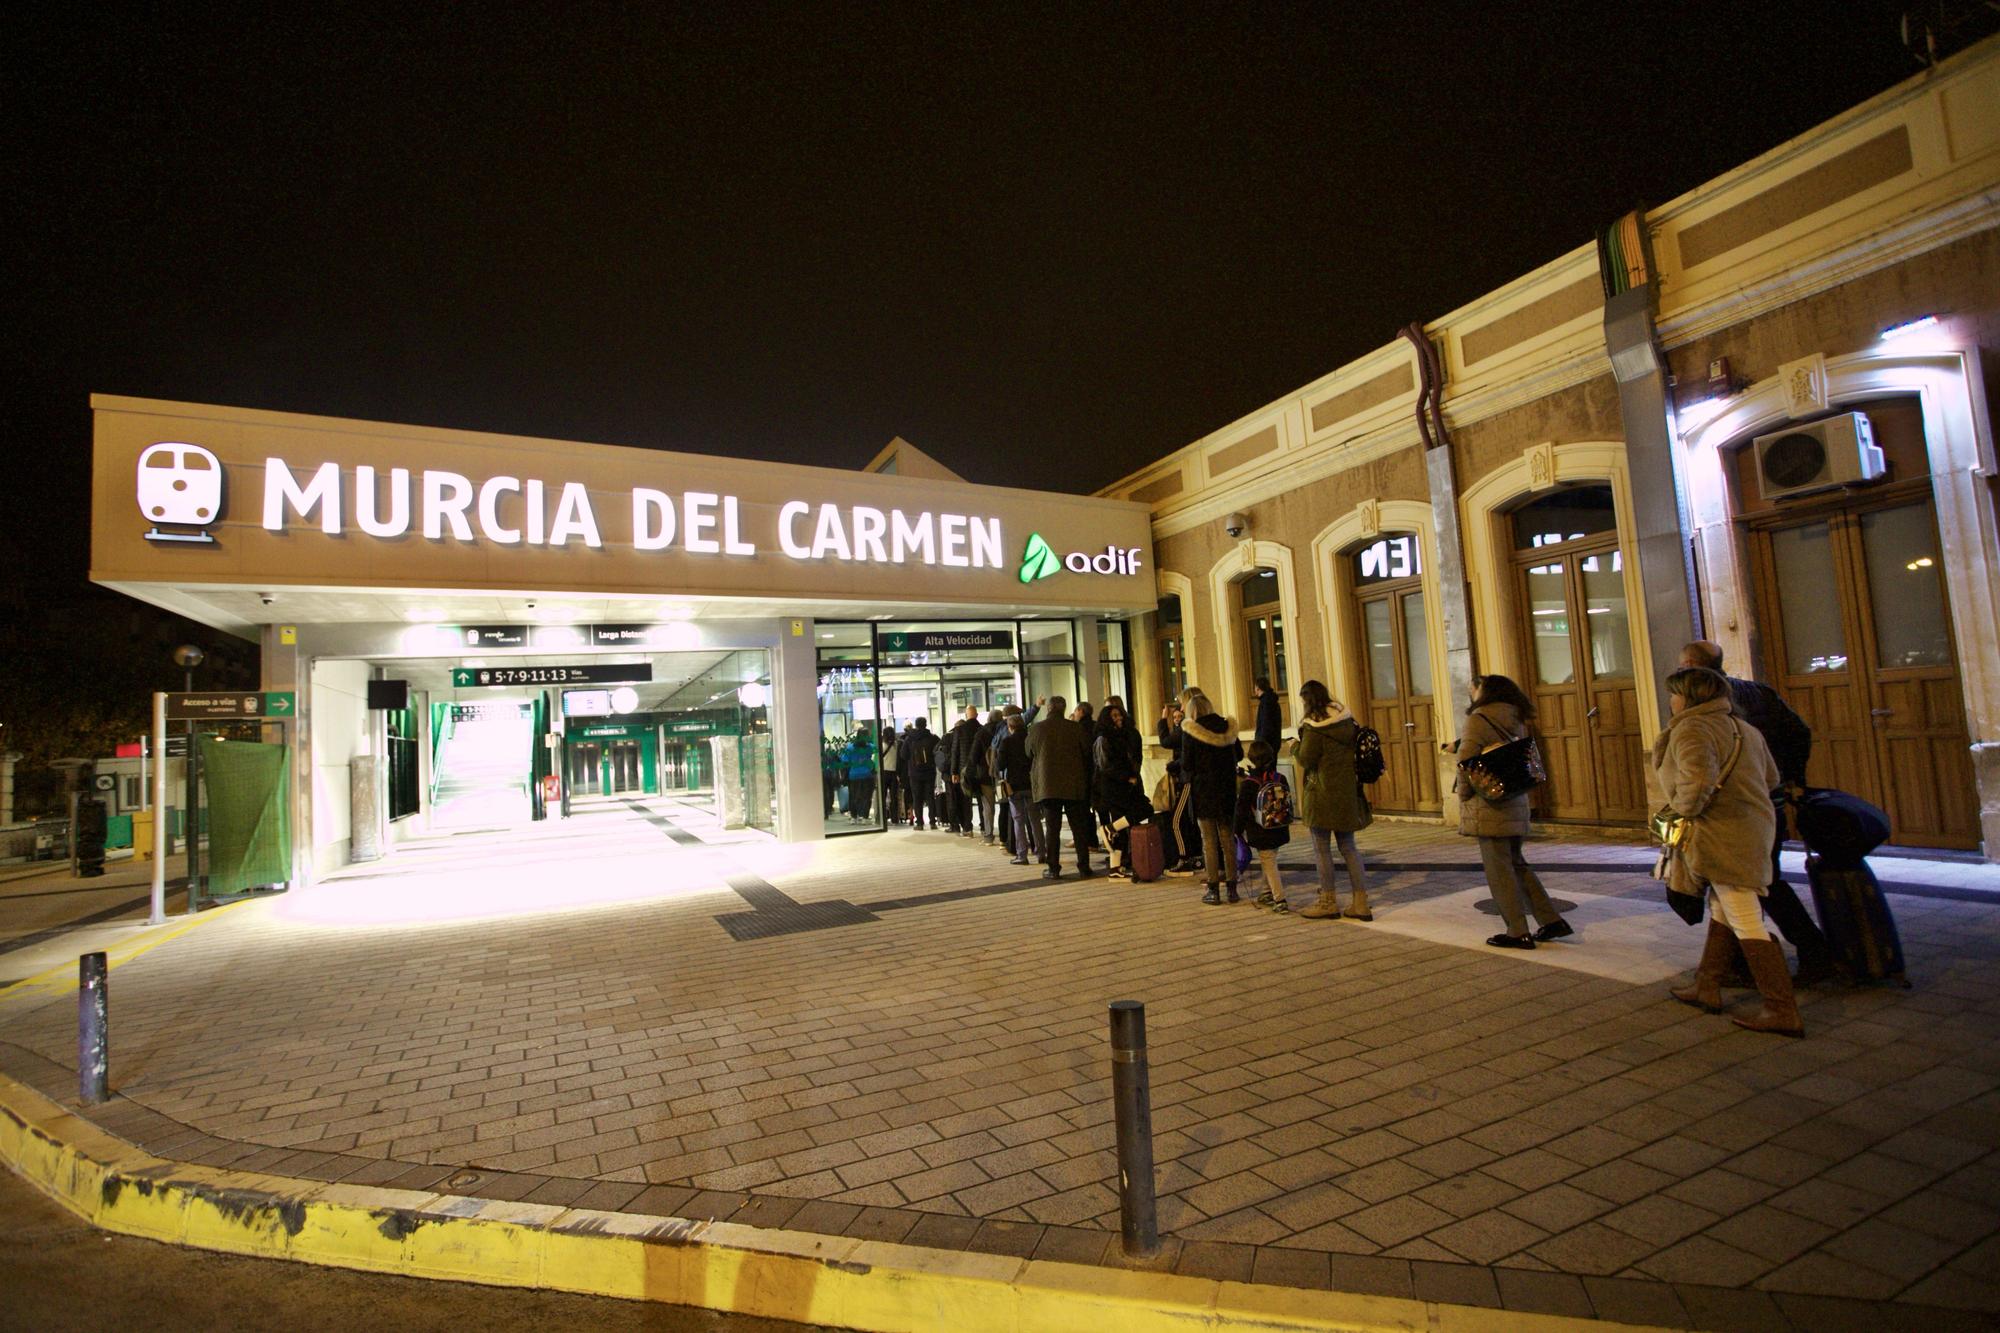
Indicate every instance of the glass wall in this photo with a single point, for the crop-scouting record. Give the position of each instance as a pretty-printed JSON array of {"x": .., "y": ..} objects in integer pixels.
[{"x": 876, "y": 679}]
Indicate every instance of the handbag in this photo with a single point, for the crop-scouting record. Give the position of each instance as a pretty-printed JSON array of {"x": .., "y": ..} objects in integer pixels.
[{"x": 1505, "y": 770}]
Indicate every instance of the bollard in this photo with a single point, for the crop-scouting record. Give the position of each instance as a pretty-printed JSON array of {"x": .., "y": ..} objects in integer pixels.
[
  {"x": 93, "y": 1029},
  {"x": 1133, "y": 1101}
]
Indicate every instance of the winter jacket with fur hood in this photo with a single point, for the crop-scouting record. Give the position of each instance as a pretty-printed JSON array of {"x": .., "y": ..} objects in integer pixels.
[
  {"x": 1486, "y": 726},
  {"x": 1329, "y": 792},
  {"x": 1209, "y": 755},
  {"x": 1730, "y": 839}
]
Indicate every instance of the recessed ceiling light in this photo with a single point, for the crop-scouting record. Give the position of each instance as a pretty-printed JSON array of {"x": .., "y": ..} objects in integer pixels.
[{"x": 423, "y": 613}]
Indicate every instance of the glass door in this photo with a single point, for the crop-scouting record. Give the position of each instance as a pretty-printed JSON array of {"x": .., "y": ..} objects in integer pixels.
[
  {"x": 1861, "y": 635},
  {"x": 1399, "y": 703}
]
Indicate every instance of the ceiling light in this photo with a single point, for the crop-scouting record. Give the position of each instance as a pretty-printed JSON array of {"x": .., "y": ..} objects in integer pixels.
[
  {"x": 624, "y": 699},
  {"x": 424, "y": 613},
  {"x": 753, "y": 695}
]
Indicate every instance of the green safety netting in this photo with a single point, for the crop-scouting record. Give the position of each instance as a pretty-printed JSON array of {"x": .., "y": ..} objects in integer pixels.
[{"x": 249, "y": 814}]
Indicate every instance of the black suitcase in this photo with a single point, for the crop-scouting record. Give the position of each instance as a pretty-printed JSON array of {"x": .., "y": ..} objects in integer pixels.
[{"x": 1855, "y": 915}]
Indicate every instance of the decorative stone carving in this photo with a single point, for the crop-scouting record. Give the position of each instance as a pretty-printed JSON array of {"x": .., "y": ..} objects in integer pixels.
[
  {"x": 1248, "y": 550},
  {"x": 1541, "y": 461},
  {"x": 1369, "y": 515},
  {"x": 1805, "y": 386}
]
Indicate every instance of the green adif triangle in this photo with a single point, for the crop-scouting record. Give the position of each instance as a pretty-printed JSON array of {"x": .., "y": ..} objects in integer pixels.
[{"x": 1039, "y": 562}]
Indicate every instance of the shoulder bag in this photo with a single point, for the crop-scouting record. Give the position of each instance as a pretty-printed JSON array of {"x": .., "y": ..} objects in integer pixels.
[{"x": 1505, "y": 769}]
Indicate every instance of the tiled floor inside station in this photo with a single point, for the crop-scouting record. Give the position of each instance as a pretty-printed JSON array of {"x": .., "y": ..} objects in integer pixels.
[{"x": 904, "y": 1036}]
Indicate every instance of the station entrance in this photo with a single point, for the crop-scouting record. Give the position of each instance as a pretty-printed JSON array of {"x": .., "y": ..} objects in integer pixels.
[{"x": 506, "y": 740}]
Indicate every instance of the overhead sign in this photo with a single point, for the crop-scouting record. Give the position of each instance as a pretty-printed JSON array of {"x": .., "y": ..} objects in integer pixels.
[
  {"x": 938, "y": 640},
  {"x": 251, "y": 703},
  {"x": 310, "y": 501},
  {"x": 593, "y": 673},
  {"x": 483, "y": 712},
  {"x": 494, "y": 636}
]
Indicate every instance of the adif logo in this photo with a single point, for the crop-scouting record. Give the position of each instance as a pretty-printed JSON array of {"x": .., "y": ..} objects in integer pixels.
[
  {"x": 1039, "y": 561},
  {"x": 180, "y": 484}
]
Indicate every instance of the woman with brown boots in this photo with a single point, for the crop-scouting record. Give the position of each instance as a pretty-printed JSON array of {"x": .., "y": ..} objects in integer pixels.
[
  {"x": 1719, "y": 775},
  {"x": 1331, "y": 802}
]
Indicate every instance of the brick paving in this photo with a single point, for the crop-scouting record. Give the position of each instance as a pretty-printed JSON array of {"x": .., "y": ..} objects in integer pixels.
[{"x": 910, "y": 1044}]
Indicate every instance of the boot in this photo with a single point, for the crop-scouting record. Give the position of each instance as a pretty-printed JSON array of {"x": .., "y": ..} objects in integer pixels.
[
  {"x": 1232, "y": 892},
  {"x": 1357, "y": 906},
  {"x": 1706, "y": 992},
  {"x": 1325, "y": 908},
  {"x": 1780, "y": 1013},
  {"x": 1735, "y": 976}
]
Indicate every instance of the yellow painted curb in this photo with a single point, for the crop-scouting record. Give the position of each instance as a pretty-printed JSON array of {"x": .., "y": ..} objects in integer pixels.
[
  {"x": 775, "y": 1274},
  {"x": 62, "y": 978}
]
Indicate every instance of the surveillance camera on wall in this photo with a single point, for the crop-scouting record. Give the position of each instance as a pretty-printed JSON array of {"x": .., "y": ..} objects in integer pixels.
[
  {"x": 266, "y": 598},
  {"x": 1236, "y": 525}
]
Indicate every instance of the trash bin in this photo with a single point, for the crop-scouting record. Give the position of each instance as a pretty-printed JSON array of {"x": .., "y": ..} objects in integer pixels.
[{"x": 91, "y": 825}]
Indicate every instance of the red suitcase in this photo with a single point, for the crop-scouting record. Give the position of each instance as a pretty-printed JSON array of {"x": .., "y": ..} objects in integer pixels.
[{"x": 1146, "y": 851}]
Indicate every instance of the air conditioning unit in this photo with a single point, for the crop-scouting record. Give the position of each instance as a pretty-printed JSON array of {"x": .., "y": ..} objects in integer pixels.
[{"x": 1820, "y": 456}]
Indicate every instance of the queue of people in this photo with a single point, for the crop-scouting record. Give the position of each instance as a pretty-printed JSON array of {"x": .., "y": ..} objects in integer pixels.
[{"x": 1727, "y": 759}]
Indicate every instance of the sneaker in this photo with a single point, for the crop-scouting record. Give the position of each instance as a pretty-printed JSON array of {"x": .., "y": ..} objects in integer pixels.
[
  {"x": 1118, "y": 872},
  {"x": 1265, "y": 900},
  {"x": 1212, "y": 898},
  {"x": 1504, "y": 941},
  {"x": 1279, "y": 907},
  {"x": 1017, "y": 861},
  {"x": 1555, "y": 930}
]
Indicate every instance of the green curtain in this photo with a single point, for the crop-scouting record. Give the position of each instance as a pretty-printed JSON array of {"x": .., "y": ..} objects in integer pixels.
[
  {"x": 538, "y": 762},
  {"x": 249, "y": 814}
]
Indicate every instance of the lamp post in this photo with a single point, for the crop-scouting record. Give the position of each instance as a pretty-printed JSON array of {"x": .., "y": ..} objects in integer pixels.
[{"x": 188, "y": 657}]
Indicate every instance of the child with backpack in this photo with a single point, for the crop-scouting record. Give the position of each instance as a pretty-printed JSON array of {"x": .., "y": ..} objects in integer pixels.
[{"x": 1264, "y": 817}]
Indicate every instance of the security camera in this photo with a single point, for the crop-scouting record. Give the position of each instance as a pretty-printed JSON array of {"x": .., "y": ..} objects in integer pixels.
[
  {"x": 1236, "y": 525},
  {"x": 266, "y": 598}
]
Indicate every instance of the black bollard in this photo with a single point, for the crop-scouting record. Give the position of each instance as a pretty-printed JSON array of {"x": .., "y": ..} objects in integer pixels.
[
  {"x": 93, "y": 1029},
  {"x": 1132, "y": 1096}
]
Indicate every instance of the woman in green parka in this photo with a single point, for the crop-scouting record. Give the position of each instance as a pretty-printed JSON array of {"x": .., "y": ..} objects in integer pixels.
[{"x": 1330, "y": 799}]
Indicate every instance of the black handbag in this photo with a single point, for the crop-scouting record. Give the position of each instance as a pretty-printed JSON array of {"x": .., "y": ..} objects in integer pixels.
[{"x": 1500, "y": 772}]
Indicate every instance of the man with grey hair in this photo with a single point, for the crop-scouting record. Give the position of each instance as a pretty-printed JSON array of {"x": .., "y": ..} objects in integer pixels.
[
  {"x": 1059, "y": 771},
  {"x": 1790, "y": 741}
]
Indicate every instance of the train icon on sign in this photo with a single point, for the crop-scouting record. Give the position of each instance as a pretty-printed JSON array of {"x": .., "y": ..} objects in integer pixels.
[{"x": 180, "y": 485}]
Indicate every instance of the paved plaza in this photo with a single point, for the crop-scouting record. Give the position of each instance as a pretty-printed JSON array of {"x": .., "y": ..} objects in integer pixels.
[{"x": 904, "y": 1037}]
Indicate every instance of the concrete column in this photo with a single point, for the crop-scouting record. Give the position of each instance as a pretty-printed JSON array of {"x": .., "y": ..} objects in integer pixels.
[
  {"x": 1089, "y": 665},
  {"x": 795, "y": 724},
  {"x": 8, "y": 759}
]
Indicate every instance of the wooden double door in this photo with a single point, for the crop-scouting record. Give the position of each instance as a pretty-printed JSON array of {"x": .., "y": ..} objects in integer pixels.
[
  {"x": 1858, "y": 639},
  {"x": 1401, "y": 704},
  {"x": 1580, "y": 674}
]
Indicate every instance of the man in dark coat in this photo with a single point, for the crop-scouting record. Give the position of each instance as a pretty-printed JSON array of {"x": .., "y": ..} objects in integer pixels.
[
  {"x": 964, "y": 739},
  {"x": 1790, "y": 742},
  {"x": 1270, "y": 727},
  {"x": 1059, "y": 767},
  {"x": 918, "y": 761}
]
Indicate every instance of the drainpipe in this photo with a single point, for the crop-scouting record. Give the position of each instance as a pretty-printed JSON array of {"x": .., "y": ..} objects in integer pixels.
[
  {"x": 1672, "y": 601},
  {"x": 1454, "y": 599}
]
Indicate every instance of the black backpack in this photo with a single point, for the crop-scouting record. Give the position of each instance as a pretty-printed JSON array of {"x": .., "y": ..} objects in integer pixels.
[{"x": 1368, "y": 764}]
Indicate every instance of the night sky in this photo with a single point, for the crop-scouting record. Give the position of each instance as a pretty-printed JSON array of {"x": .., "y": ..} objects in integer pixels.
[{"x": 1045, "y": 243}]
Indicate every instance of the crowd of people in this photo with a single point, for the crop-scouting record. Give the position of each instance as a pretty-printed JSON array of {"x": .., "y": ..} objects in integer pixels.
[{"x": 1730, "y": 752}]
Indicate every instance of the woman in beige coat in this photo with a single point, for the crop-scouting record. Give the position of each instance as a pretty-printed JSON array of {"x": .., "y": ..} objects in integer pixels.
[
  {"x": 1717, "y": 771},
  {"x": 1500, "y": 713}
]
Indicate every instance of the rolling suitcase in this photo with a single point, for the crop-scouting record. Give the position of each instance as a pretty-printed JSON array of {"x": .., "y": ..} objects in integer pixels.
[
  {"x": 1146, "y": 852},
  {"x": 1854, "y": 914}
]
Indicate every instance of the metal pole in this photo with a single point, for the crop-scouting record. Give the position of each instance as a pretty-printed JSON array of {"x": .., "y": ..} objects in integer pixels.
[
  {"x": 1132, "y": 1098},
  {"x": 74, "y": 796},
  {"x": 93, "y": 1029},
  {"x": 159, "y": 915}
]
